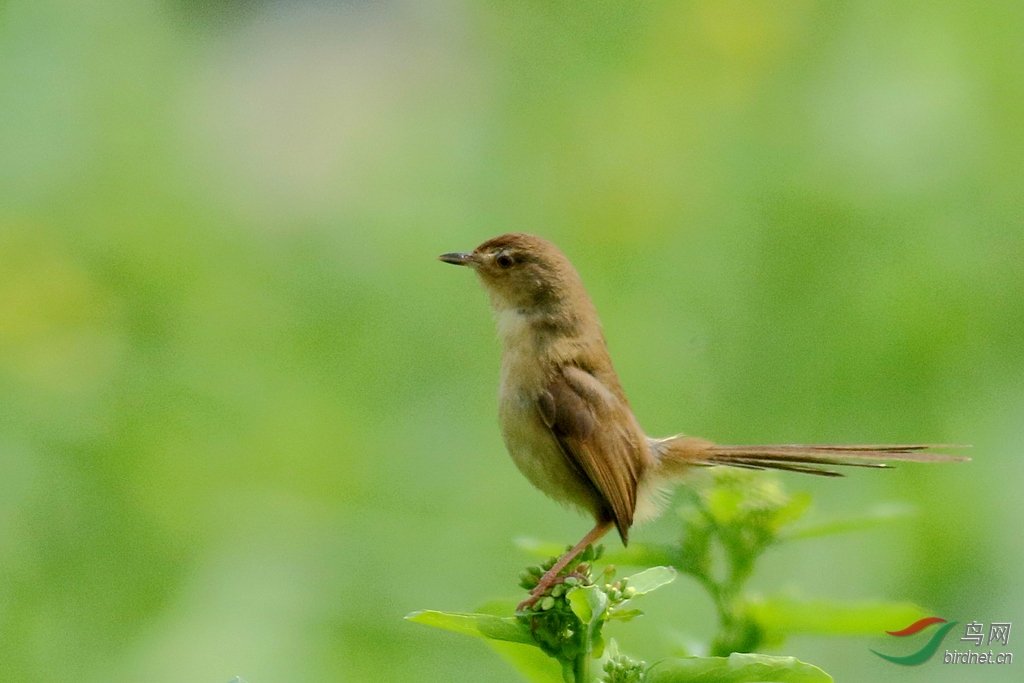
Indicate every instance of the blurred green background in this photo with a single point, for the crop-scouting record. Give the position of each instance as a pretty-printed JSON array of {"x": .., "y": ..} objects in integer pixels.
[{"x": 247, "y": 420}]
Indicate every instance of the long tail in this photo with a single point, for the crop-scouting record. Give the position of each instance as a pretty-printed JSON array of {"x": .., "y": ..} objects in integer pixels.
[{"x": 677, "y": 453}]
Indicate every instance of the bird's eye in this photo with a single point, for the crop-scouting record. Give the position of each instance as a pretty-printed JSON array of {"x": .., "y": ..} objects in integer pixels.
[{"x": 504, "y": 260}]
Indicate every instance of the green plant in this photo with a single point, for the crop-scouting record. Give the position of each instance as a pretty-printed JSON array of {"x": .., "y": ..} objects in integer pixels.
[{"x": 726, "y": 525}]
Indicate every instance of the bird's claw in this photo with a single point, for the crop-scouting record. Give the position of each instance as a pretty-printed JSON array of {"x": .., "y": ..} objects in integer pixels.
[{"x": 546, "y": 584}]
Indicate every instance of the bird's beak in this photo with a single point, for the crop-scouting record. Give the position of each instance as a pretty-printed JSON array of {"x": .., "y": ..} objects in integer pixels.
[{"x": 458, "y": 258}]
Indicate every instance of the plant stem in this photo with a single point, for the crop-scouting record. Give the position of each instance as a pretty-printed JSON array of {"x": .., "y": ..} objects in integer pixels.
[{"x": 581, "y": 670}]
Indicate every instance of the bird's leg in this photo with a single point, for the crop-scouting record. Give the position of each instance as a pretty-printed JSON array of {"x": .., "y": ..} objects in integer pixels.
[{"x": 550, "y": 577}]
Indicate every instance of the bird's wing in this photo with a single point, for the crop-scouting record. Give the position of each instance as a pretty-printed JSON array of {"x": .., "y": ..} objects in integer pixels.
[{"x": 600, "y": 436}]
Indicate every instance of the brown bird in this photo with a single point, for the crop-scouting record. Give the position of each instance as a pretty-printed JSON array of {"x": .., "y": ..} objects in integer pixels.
[{"x": 565, "y": 419}]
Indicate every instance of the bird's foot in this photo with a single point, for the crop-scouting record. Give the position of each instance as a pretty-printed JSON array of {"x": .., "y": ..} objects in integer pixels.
[
  {"x": 546, "y": 584},
  {"x": 548, "y": 581}
]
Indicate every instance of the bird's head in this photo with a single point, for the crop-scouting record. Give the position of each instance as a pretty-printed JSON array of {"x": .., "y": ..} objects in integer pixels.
[{"x": 523, "y": 272}]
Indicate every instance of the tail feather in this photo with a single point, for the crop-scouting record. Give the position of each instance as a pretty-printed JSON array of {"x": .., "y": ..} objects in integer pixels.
[{"x": 680, "y": 452}]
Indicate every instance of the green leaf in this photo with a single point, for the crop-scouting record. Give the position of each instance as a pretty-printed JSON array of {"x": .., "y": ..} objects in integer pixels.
[
  {"x": 878, "y": 515},
  {"x": 793, "y": 615},
  {"x": 588, "y": 603},
  {"x": 724, "y": 504},
  {"x": 625, "y": 614},
  {"x": 480, "y": 625},
  {"x": 530, "y": 662},
  {"x": 650, "y": 579},
  {"x": 791, "y": 511},
  {"x": 736, "y": 668}
]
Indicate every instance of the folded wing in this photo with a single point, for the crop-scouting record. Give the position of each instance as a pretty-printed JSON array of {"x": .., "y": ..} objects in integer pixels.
[{"x": 600, "y": 437}]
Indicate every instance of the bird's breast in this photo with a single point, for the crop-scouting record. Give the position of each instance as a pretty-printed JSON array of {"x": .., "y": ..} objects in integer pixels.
[
  {"x": 533, "y": 447},
  {"x": 539, "y": 456}
]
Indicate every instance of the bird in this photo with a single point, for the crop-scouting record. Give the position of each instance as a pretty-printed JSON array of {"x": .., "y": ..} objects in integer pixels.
[{"x": 566, "y": 421}]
